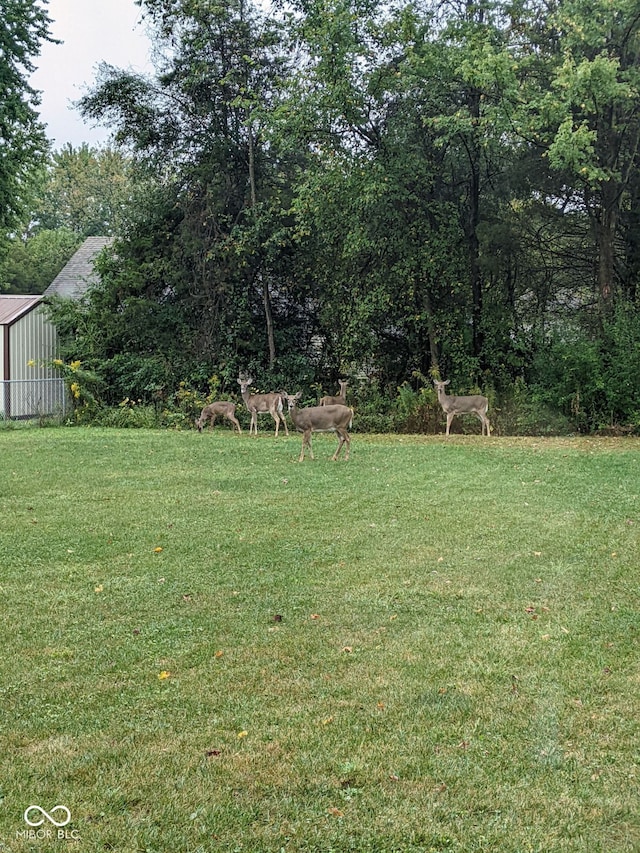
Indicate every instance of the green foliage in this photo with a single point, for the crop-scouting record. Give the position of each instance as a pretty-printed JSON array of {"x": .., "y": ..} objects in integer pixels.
[
  {"x": 31, "y": 264},
  {"x": 447, "y": 190},
  {"x": 594, "y": 379},
  {"x": 86, "y": 191},
  {"x": 23, "y": 27}
]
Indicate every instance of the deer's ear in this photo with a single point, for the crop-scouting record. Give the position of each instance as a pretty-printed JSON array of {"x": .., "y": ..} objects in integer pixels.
[{"x": 447, "y": 382}]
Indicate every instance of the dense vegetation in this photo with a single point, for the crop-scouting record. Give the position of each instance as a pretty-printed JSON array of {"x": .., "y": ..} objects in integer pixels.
[{"x": 380, "y": 191}]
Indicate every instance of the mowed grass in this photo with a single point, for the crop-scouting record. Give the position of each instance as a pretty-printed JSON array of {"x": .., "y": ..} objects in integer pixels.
[{"x": 207, "y": 646}]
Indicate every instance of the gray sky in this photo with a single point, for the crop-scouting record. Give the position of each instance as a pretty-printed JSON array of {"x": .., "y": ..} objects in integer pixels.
[{"x": 92, "y": 31}]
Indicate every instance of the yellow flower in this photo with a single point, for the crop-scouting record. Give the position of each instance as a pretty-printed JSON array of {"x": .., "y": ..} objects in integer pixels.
[
  {"x": 75, "y": 365},
  {"x": 31, "y": 363},
  {"x": 58, "y": 362},
  {"x": 164, "y": 674},
  {"x": 75, "y": 390}
]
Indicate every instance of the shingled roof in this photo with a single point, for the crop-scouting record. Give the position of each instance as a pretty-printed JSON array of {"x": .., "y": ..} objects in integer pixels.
[{"x": 78, "y": 274}]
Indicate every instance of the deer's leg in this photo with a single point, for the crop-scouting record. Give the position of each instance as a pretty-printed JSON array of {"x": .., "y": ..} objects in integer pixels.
[
  {"x": 284, "y": 421},
  {"x": 306, "y": 442},
  {"x": 449, "y": 419},
  {"x": 343, "y": 438},
  {"x": 235, "y": 422},
  {"x": 254, "y": 423}
]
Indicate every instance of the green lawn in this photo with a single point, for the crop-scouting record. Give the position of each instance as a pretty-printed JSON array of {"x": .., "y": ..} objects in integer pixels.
[{"x": 210, "y": 647}]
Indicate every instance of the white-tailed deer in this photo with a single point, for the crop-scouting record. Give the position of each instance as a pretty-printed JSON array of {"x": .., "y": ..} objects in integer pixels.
[
  {"x": 475, "y": 405},
  {"x": 332, "y": 418},
  {"x": 258, "y": 404},
  {"x": 213, "y": 410},
  {"x": 341, "y": 399}
]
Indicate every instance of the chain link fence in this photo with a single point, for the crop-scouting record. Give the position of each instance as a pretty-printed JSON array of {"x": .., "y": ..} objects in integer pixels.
[{"x": 21, "y": 399}]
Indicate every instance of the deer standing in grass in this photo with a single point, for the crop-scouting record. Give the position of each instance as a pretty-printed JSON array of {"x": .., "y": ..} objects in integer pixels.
[
  {"x": 341, "y": 399},
  {"x": 331, "y": 418},
  {"x": 475, "y": 405},
  {"x": 258, "y": 404},
  {"x": 213, "y": 410}
]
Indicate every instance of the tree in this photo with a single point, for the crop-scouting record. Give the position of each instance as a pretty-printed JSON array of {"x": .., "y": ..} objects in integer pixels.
[
  {"x": 588, "y": 115},
  {"x": 24, "y": 24},
  {"x": 85, "y": 190},
  {"x": 201, "y": 125},
  {"x": 31, "y": 264}
]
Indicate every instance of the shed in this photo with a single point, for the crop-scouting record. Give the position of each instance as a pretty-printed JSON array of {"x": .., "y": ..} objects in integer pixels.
[{"x": 29, "y": 387}]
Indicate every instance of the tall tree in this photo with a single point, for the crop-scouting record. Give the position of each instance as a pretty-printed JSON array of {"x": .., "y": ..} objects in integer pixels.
[
  {"x": 590, "y": 111},
  {"x": 24, "y": 24},
  {"x": 200, "y": 125}
]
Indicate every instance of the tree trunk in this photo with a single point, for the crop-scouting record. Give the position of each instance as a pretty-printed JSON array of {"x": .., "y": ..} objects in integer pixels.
[
  {"x": 264, "y": 280},
  {"x": 606, "y": 221}
]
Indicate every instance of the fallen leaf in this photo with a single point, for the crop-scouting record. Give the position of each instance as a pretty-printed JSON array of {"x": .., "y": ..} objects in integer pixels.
[
  {"x": 213, "y": 752},
  {"x": 347, "y": 649},
  {"x": 327, "y": 720},
  {"x": 315, "y": 616},
  {"x": 157, "y": 550},
  {"x": 219, "y": 654},
  {"x": 99, "y": 588},
  {"x": 335, "y": 812},
  {"x": 242, "y": 734},
  {"x": 164, "y": 674}
]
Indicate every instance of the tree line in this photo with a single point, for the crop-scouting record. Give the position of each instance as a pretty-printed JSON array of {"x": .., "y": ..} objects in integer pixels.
[{"x": 382, "y": 191}]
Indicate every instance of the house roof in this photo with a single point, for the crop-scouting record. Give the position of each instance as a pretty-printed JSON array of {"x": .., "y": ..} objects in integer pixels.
[
  {"x": 78, "y": 274},
  {"x": 13, "y": 307}
]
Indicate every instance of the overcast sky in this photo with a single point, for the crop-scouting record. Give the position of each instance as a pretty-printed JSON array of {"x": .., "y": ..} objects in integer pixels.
[{"x": 92, "y": 31}]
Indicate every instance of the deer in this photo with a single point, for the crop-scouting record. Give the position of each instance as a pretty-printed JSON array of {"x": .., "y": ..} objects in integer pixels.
[
  {"x": 213, "y": 410},
  {"x": 258, "y": 404},
  {"x": 341, "y": 399},
  {"x": 331, "y": 418},
  {"x": 475, "y": 405}
]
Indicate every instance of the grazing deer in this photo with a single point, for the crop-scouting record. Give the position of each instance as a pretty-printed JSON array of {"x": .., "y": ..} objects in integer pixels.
[
  {"x": 476, "y": 405},
  {"x": 341, "y": 399},
  {"x": 258, "y": 404},
  {"x": 332, "y": 418},
  {"x": 211, "y": 412}
]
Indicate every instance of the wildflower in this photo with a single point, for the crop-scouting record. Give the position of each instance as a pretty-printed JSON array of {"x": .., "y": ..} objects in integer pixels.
[
  {"x": 75, "y": 390},
  {"x": 58, "y": 362},
  {"x": 31, "y": 363},
  {"x": 75, "y": 365}
]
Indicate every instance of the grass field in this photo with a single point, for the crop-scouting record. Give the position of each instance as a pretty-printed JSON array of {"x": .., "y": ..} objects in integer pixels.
[{"x": 207, "y": 646}]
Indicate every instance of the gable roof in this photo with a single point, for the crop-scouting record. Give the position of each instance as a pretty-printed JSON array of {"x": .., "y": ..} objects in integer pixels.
[
  {"x": 13, "y": 307},
  {"x": 78, "y": 274}
]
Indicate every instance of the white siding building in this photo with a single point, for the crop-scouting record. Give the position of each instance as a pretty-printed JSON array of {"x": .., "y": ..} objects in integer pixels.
[{"x": 29, "y": 386}]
